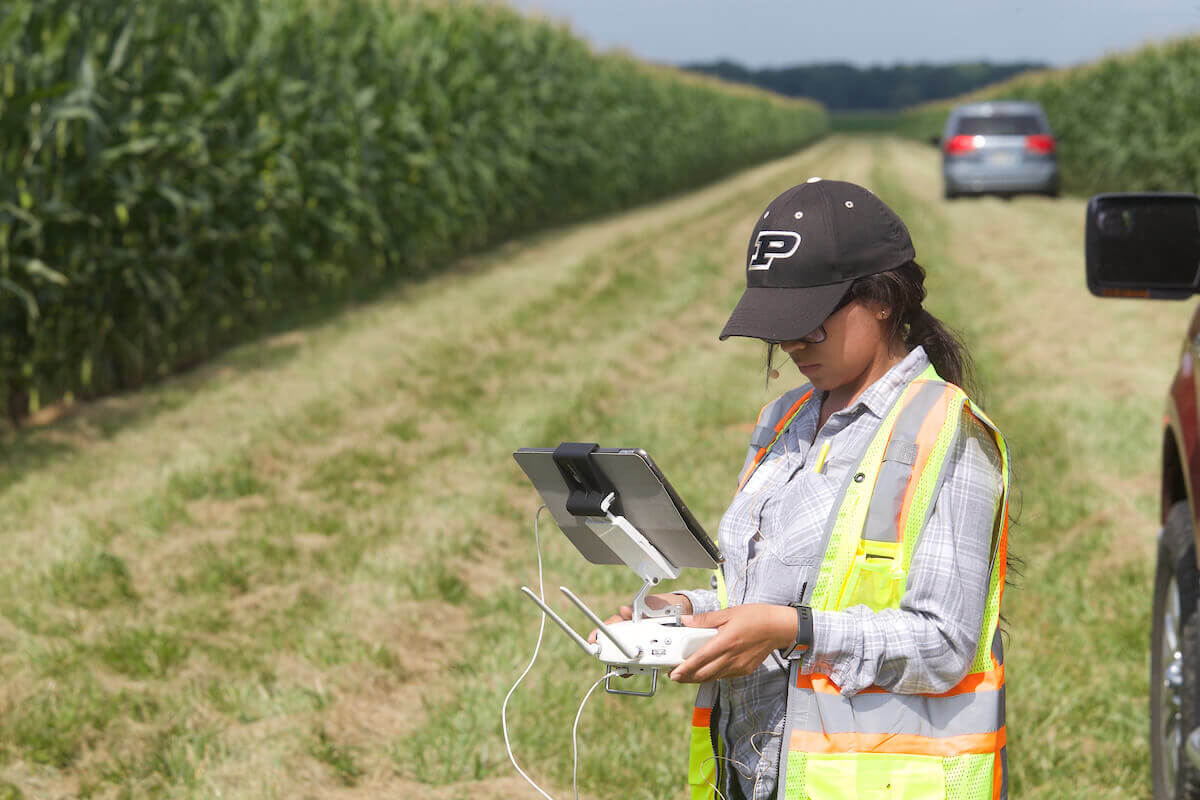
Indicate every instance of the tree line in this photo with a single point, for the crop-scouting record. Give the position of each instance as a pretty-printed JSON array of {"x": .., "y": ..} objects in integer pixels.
[{"x": 845, "y": 87}]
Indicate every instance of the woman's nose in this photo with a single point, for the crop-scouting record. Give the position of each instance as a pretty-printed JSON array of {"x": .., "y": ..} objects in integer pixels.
[{"x": 790, "y": 347}]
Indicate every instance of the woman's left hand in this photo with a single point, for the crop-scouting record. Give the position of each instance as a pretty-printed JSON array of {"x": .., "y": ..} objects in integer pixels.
[{"x": 746, "y": 636}]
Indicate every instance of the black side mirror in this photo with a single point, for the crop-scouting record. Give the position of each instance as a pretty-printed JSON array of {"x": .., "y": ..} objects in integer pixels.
[{"x": 1143, "y": 245}]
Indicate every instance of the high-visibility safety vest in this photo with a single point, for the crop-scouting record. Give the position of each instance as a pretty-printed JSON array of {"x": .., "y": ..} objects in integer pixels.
[{"x": 879, "y": 744}]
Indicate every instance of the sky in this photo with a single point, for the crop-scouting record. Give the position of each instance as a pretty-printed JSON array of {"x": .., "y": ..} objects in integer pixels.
[{"x": 769, "y": 33}]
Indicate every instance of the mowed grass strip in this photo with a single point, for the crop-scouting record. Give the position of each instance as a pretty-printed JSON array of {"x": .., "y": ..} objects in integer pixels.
[
  {"x": 1077, "y": 384},
  {"x": 258, "y": 580},
  {"x": 294, "y": 573}
]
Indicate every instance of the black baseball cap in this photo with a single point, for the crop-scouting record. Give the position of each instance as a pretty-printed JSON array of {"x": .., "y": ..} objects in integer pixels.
[{"x": 806, "y": 249}]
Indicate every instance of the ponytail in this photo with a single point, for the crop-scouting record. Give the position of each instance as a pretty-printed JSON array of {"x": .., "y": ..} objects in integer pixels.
[{"x": 944, "y": 347}]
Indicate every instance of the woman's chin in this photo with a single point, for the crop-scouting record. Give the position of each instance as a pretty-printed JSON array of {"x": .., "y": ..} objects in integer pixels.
[{"x": 818, "y": 378}]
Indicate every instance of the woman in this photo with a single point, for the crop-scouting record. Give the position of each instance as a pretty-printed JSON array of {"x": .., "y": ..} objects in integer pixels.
[{"x": 858, "y": 653}]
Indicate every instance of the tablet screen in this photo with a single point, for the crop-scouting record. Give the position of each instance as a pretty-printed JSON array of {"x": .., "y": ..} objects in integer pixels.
[{"x": 647, "y": 500}]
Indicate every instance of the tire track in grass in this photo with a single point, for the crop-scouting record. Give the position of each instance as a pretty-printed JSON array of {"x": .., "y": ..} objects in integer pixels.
[{"x": 223, "y": 460}]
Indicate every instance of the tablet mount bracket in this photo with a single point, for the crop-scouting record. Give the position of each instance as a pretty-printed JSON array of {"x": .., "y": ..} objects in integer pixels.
[{"x": 593, "y": 497}]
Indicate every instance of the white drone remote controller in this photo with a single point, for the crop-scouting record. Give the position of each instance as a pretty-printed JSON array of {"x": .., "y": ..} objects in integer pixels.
[
  {"x": 653, "y": 639},
  {"x": 660, "y": 643}
]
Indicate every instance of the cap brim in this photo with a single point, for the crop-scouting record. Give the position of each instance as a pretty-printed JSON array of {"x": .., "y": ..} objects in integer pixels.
[{"x": 783, "y": 314}]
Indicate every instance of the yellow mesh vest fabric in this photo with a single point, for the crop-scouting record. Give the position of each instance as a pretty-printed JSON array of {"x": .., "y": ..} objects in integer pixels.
[
  {"x": 702, "y": 765},
  {"x": 991, "y": 612},
  {"x": 796, "y": 775},
  {"x": 969, "y": 776},
  {"x": 847, "y": 528}
]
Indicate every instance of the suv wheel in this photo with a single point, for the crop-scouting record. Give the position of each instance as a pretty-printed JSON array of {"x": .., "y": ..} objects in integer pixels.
[{"x": 1174, "y": 660}]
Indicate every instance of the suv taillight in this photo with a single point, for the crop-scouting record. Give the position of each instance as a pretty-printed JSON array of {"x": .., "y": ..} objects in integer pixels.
[
  {"x": 957, "y": 145},
  {"x": 1040, "y": 143}
]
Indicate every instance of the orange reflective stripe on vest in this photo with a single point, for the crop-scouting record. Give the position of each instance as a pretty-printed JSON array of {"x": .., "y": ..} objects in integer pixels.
[
  {"x": 973, "y": 682},
  {"x": 780, "y": 426},
  {"x": 928, "y": 433}
]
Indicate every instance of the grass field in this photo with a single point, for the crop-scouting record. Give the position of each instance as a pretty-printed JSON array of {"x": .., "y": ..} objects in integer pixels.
[{"x": 292, "y": 573}]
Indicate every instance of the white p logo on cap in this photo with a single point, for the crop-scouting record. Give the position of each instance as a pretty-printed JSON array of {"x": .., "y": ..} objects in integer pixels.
[{"x": 770, "y": 245}]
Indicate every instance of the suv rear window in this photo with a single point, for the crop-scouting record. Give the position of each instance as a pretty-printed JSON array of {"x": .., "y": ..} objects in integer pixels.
[{"x": 1013, "y": 125}]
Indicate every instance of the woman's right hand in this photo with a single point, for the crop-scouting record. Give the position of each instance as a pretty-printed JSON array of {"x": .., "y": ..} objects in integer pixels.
[{"x": 654, "y": 601}]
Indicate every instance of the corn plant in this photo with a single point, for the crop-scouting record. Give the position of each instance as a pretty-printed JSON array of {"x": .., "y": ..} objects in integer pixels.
[{"x": 176, "y": 175}]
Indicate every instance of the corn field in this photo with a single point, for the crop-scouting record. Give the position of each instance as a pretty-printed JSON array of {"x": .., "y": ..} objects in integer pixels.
[
  {"x": 1124, "y": 124},
  {"x": 177, "y": 175}
]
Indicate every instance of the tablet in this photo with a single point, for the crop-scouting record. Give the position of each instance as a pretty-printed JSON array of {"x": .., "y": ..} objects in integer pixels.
[{"x": 645, "y": 498}]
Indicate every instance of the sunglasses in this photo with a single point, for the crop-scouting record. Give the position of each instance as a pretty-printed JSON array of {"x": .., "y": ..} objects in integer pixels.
[{"x": 817, "y": 336}]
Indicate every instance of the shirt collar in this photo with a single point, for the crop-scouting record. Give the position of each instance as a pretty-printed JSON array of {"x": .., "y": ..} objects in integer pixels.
[{"x": 883, "y": 393}]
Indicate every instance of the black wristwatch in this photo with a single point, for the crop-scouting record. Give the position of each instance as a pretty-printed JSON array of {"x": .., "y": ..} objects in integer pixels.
[{"x": 804, "y": 632}]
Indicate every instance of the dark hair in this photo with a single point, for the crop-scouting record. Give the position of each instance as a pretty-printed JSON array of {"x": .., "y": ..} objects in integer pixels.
[{"x": 902, "y": 291}]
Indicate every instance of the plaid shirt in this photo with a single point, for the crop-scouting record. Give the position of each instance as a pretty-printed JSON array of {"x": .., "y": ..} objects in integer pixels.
[{"x": 771, "y": 537}]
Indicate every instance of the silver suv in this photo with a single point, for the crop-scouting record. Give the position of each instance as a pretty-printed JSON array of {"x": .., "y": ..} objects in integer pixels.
[{"x": 1002, "y": 147}]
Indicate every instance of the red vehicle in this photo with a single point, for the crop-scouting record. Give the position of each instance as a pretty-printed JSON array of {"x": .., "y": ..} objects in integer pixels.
[{"x": 1148, "y": 245}]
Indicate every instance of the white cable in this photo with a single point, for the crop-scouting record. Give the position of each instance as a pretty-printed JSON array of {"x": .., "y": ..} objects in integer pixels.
[
  {"x": 574, "y": 731},
  {"x": 740, "y": 765},
  {"x": 541, "y": 629},
  {"x": 504, "y": 708}
]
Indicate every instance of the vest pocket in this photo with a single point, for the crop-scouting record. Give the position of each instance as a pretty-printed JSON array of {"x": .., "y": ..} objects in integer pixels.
[
  {"x": 875, "y": 579},
  {"x": 873, "y": 776}
]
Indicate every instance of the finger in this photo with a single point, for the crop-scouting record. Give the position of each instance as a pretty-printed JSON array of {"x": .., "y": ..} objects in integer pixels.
[
  {"x": 592, "y": 636},
  {"x": 719, "y": 667},
  {"x": 683, "y": 673},
  {"x": 707, "y": 670},
  {"x": 690, "y": 666},
  {"x": 709, "y": 619},
  {"x": 685, "y": 669},
  {"x": 710, "y": 650},
  {"x": 626, "y": 612}
]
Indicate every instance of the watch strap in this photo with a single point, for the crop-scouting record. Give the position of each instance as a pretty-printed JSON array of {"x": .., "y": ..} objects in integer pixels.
[{"x": 804, "y": 632}]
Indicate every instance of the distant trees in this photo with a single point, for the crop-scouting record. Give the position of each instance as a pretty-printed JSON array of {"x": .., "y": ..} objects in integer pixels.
[{"x": 845, "y": 87}]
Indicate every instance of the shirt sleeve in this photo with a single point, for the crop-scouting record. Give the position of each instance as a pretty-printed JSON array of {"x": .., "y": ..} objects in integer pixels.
[{"x": 927, "y": 644}]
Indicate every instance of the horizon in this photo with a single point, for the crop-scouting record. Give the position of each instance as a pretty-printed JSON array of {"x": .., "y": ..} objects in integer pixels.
[
  {"x": 873, "y": 65},
  {"x": 767, "y": 34}
]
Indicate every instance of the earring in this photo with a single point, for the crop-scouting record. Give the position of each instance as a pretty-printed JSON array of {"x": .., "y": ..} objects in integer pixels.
[{"x": 883, "y": 315}]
